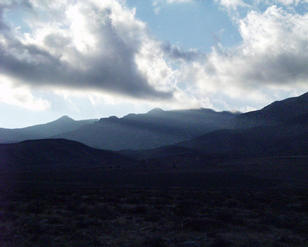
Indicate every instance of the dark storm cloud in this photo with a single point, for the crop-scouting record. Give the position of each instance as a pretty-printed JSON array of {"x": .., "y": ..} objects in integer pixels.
[
  {"x": 43, "y": 69},
  {"x": 115, "y": 72},
  {"x": 284, "y": 68}
]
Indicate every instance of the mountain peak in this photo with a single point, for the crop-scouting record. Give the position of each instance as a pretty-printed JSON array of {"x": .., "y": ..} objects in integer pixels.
[
  {"x": 155, "y": 111},
  {"x": 65, "y": 118}
]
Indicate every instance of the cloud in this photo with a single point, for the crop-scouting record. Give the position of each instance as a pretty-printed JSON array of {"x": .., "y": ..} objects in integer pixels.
[
  {"x": 273, "y": 44},
  {"x": 157, "y": 4},
  {"x": 288, "y": 2},
  {"x": 267, "y": 63},
  {"x": 20, "y": 96},
  {"x": 92, "y": 45},
  {"x": 101, "y": 48},
  {"x": 272, "y": 48},
  {"x": 176, "y": 53},
  {"x": 232, "y": 4},
  {"x": 179, "y": 1}
]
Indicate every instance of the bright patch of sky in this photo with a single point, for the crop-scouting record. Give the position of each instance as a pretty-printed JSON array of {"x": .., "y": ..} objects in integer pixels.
[{"x": 190, "y": 25}]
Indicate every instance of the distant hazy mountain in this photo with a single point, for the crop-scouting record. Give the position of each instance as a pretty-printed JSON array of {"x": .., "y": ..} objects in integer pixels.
[
  {"x": 153, "y": 129},
  {"x": 61, "y": 125},
  {"x": 285, "y": 132},
  {"x": 280, "y": 129},
  {"x": 207, "y": 129},
  {"x": 55, "y": 153},
  {"x": 276, "y": 113}
]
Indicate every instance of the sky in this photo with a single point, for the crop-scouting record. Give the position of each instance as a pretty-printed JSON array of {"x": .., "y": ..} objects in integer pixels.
[{"x": 97, "y": 58}]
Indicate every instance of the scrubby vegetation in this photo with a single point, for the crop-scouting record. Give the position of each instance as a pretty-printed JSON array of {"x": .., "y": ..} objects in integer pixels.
[{"x": 153, "y": 218}]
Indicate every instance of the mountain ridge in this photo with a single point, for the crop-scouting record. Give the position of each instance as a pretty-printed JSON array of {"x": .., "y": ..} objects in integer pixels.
[
  {"x": 274, "y": 113},
  {"x": 52, "y": 153},
  {"x": 159, "y": 128},
  {"x": 41, "y": 131},
  {"x": 149, "y": 130}
]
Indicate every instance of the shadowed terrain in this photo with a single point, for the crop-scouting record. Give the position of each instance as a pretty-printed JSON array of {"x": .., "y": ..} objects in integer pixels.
[
  {"x": 153, "y": 217},
  {"x": 227, "y": 186}
]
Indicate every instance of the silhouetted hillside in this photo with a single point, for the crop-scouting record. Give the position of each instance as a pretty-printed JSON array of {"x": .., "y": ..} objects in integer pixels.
[
  {"x": 275, "y": 113},
  {"x": 42, "y": 131},
  {"x": 259, "y": 141},
  {"x": 278, "y": 129},
  {"x": 55, "y": 153},
  {"x": 153, "y": 129},
  {"x": 219, "y": 132}
]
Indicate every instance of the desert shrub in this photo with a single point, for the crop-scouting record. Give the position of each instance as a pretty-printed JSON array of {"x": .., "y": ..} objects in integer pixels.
[
  {"x": 102, "y": 212},
  {"x": 11, "y": 216},
  {"x": 232, "y": 203},
  {"x": 185, "y": 209},
  {"x": 154, "y": 242},
  {"x": 80, "y": 209},
  {"x": 153, "y": 216},
  {"x": 258, "y": 227},
  {"x": 32, "y": 226},
  {"x": 202, "y": 225},
  {"x": 229, "y": 217},
  {"x": 221, "y": 242},
  {"x": 83, "y": 222},
  {"x": 289, "y": 239},
  {"x": 45, "y": 240},
  {"x": 54, "y": 220},
  {"x": 139, "y": 210}
]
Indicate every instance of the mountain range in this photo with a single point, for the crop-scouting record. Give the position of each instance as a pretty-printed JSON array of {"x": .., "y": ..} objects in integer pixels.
[
  {"x": 134, "y": 131},
  {"x": 158, "y": 147},
  {"x": 277, "y": 129},
  {"x": 150, "y": 130}
]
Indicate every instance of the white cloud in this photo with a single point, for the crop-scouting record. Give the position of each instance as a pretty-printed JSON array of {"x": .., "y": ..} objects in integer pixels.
[
  {"x": 157, "y": 4},
  {"x": 20, "y": 96},
  {"x": 179, "y": 1},
  {"x": 288, "y": 2},
  {"x": 269, "y": 62},
  {"x": 232, "y": 4}
]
